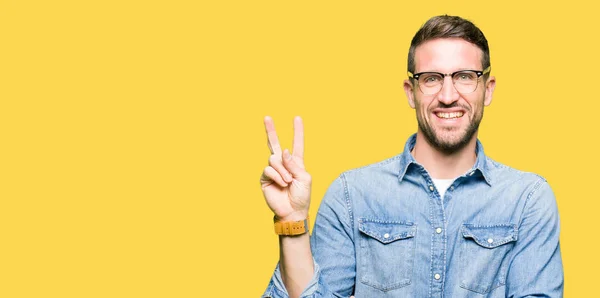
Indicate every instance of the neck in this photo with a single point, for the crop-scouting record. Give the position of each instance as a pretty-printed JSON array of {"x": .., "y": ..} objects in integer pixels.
[{"x": 443, "y": 165}]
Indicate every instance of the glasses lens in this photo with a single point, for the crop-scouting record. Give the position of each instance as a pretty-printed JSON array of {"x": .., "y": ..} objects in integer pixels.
[
  {"x": 430, "y": 83},
  {"x": 465, "y": 81}
]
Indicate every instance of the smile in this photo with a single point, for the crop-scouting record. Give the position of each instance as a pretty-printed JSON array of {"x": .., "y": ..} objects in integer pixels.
[{"x": 453, "y": 115}]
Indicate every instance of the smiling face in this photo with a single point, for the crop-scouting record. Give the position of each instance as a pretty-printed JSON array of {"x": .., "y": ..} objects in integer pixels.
[{"x": 448, "y": 119}]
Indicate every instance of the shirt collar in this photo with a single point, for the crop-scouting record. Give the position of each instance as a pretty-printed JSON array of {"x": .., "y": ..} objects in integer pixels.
[{"x": 479, "y": 168}]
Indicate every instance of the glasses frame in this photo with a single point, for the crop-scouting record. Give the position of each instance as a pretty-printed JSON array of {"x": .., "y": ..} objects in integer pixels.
[{"x": 479, "y": 73}]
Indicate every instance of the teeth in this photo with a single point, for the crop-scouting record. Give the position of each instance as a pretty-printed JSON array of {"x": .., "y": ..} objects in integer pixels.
[{"x": 450, "y": 115}]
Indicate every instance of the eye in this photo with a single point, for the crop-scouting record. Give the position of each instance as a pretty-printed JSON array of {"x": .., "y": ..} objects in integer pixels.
[
  {"x": 465, "y": 76},
  {"x": 430, "y": 78}
]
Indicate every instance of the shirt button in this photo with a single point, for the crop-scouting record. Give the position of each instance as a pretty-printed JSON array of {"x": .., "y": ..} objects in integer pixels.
[
  {"x": 438, "y": 230},
  {"x": 437, "y": 276},
  {"x": 386, "y": 236},
  {"x": 490, "y": 240},
  {"x": 452, "y": 187},
  {"x": 431, "y": 187}
]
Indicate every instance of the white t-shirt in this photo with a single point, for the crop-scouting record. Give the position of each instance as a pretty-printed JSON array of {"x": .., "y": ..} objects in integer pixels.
[{"x": 442, "y": 185}]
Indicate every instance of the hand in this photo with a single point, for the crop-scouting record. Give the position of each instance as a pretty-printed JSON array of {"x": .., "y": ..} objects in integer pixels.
[{"x": 285, "y": 182}]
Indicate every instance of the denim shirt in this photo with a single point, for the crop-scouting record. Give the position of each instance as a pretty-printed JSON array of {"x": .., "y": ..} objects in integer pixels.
[{"x": 384, "y": 231}]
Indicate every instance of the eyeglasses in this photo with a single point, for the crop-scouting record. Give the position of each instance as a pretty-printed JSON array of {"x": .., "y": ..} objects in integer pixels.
[{"x": 465, "y": 81}]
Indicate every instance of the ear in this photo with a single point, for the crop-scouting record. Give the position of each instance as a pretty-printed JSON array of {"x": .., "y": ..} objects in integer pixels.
[
  {"x": 409, "y": 90},
  {"x": 490, "y": 85}
]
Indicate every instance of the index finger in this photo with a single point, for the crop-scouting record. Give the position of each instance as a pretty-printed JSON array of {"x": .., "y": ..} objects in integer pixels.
[
  {"x": 272, "y": 139},
  {"x": 298, "y": 146}
]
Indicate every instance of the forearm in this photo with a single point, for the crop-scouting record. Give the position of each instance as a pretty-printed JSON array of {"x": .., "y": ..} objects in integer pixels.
[{"x": 295, "y": 263}]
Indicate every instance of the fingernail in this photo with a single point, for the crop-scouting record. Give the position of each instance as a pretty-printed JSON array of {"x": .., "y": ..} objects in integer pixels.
[{"x": 288, "y": 177}]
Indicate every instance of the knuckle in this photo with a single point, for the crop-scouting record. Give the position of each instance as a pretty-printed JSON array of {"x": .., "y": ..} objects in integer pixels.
[
  {"x": 265, "y": 174},
  {"x": 271, "y": 173},
  {"x": 308, "y": 178}
]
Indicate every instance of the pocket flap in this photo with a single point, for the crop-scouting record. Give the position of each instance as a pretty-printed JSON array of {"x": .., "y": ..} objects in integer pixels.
[
  {"x": 490, "y": 236},
  {"x": 387, "y": 231}
]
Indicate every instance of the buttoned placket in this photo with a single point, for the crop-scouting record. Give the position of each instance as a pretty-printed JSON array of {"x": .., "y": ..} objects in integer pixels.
[
  {"x": 439, "y": 236},
  {"x": 438, "y": 242}
]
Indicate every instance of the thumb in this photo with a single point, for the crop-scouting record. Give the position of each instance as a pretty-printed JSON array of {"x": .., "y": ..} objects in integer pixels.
[{"x": 290, "y": 164}]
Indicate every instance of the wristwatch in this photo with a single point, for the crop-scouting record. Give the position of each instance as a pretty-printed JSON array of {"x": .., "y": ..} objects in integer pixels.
[{"x": 291, "y": 228}]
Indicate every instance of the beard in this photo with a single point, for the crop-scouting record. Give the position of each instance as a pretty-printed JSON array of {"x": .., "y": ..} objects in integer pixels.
[{"x": 449, "y": 141}]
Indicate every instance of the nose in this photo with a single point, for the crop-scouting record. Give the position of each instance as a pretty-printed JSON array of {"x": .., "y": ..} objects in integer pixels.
[{"x": 448, "y": 94}]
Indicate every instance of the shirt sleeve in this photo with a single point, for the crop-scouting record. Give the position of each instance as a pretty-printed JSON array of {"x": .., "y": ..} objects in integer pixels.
[
  {"x": 536, "y": 269},
  {"x": 332, "y": 246},
  {"x": 276, "y": 289}
]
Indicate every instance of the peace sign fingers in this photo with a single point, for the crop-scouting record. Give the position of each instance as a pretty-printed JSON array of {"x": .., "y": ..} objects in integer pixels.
[{"x": 285, "y": 183}]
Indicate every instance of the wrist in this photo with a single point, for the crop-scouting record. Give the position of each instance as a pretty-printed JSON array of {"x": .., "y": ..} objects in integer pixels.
[{"x": 294, "y": 216}]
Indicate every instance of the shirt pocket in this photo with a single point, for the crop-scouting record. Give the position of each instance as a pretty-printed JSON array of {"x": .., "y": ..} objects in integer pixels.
[
  {"x": 386, "y": 253},
  {"x": 483, "y": 255}
]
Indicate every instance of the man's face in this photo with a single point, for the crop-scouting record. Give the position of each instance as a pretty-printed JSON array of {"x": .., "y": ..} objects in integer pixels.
[{"x": 448, "y": 119}]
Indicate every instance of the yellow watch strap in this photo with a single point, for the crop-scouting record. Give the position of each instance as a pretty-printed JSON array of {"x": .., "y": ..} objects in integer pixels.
[{"x": 291, "y": 228}]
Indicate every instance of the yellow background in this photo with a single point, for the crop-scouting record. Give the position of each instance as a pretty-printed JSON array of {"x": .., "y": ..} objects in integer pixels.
[{"x": 131, "y": 135}]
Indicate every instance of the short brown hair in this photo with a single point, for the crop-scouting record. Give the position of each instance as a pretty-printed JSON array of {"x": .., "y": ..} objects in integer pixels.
[{"x": 446, "y": 26}]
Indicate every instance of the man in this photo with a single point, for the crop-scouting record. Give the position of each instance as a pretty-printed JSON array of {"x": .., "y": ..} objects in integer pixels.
[{"x": 439, "y": 220}]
